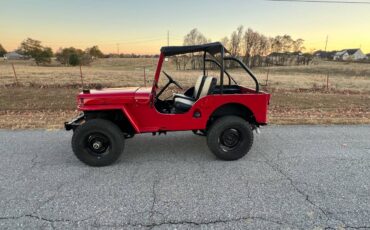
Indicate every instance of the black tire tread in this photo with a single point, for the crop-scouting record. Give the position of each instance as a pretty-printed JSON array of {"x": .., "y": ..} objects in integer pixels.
[
  {"x": 217, "y": 128},
  {"x": 108, "y": 128}
]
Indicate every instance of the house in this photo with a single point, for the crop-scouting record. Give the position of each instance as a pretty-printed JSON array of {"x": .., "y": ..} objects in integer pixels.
[
  {"x": 325, "y": 54},
  {"x": 349, "y": 54},
  {"x": 14, "y": 56},
  {"x": 287, "y": 58}
]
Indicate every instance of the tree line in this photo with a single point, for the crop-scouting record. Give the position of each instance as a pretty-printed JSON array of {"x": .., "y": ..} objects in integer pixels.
[
  {"x": 67, "y": 56},
  {"x": 255, "y": 49}
]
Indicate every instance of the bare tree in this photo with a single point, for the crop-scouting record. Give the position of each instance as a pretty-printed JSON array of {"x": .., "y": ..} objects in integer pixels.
[
  {"x": 256, "y": 48},
  {"x": 287, "y": 43},
  {"x": 235, "y": 41},
  {"x": 277, "y": 44},
  {"x": 194, "y": 37},
  {"x": 298, "y": 45},
  {"x": 225, "y": 41}
]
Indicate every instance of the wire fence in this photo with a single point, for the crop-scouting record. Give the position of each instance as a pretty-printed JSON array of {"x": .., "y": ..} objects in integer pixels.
[{"x": 21, "y": 75}]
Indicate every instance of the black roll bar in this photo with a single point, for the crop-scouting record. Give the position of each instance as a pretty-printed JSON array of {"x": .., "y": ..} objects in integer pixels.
[
  {"x": 222, "y": 69},
  {"x": 219, "y": 65},
  {"x": 246, "y": 69},
  {"x": 204, "y": 63}
]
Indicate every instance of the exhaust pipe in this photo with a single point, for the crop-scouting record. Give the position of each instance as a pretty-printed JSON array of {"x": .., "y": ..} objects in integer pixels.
[{"x": 258, "y": 131}]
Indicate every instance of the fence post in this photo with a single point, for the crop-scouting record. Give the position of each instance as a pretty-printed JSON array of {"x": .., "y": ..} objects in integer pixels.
[
  {"x": 15, "y": 75},
  {"x": 327, "y": 81},
  {"x": 82, "y": 80},
  {"x": 144, "y": 77},
  {"x": 267, "y": 77}
]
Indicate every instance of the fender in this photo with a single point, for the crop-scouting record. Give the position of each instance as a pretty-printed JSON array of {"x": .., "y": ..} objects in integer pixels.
[
  {"x": 130, "y": 119},
  {"x": 113, "y": 107}
]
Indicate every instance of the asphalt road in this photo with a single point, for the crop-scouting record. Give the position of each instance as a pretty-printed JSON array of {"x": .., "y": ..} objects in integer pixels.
[{"x": 297, "y": 177}]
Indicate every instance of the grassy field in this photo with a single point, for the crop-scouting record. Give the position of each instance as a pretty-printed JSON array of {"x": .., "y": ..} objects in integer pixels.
[
  {"x": 45, "y": 96},
  {"x": 130, "y": 71}
]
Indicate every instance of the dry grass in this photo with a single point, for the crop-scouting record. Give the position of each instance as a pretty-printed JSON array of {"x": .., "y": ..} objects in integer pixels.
[
  {"x": 129, "y": 71},
  {"x": 46, "y": 97},
  {"x": 345, "y": 69}
]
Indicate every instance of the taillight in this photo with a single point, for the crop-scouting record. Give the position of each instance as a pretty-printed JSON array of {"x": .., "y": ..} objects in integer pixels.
[{"x": 80, "y": 102}]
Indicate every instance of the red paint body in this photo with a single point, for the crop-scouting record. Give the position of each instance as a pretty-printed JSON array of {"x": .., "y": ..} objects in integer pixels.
[{"x": 138, "y": 106}]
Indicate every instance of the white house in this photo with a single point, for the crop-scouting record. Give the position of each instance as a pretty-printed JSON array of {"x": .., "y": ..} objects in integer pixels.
[
  {"x": 350, "y": 54},
  {"x": 14, "y": 56}
]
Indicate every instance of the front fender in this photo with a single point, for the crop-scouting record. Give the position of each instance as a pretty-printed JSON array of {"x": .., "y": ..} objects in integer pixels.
[{"x": 102, "y": 108}]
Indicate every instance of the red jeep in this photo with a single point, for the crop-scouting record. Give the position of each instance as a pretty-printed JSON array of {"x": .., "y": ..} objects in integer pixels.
[{"x": 225, "y": 113}]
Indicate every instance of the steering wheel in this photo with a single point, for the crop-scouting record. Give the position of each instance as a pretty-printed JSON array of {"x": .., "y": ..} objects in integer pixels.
[{"x": 172, "y": 81}]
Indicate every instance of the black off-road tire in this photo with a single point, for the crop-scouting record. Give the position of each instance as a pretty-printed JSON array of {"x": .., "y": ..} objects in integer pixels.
[
  {"x": 230, "y": 138},
  {"x": 97, "y": 131}
]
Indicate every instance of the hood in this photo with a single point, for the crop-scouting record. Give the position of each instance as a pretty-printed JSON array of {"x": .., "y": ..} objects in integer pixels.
[
  {"x": 114, "y": 91},
  {"x": 112, "y": 96}
]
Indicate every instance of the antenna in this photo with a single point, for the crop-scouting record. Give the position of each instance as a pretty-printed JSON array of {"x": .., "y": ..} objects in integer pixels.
[{"x": 168, "y": 38}]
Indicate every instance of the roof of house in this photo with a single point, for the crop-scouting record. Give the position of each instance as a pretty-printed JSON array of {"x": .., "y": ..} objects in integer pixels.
[
  {"x": 349, "y": 51},
  {"x": 13, "y": 54},
  {"x": 352, "y": 51},
  {"x": 325, "y": 54},
  {"x": 341, "y": 53},
  {"x": 285, "y": 53}
]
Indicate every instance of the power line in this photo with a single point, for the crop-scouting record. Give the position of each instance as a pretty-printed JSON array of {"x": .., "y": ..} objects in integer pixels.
[
  {"x": 109, "y": 42},
  {"x": 320, "y": 1},
  {"x": 133, "y": 42}
]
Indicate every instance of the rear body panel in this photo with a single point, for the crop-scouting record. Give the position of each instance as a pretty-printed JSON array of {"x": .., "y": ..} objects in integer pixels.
[{"x": 137, "y": 105}]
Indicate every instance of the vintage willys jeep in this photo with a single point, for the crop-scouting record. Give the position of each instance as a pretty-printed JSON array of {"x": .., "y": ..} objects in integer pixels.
[{"x": 225, "y": 113}]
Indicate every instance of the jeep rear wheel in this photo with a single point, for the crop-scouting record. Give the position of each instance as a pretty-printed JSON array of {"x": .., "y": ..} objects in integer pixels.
[
  {"x": 98, "y": 142},
  {"x": 230, "y": 138}
]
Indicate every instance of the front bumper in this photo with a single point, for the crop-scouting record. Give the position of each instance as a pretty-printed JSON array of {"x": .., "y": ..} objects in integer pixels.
[{"x": 74, "y": 123}]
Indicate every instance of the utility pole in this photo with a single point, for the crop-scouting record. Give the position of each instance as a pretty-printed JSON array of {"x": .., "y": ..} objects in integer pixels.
[
  {"x": 168, "y": 38},
  {"x": 326, "y": 43},
  {"x": 118, "y": 49}
]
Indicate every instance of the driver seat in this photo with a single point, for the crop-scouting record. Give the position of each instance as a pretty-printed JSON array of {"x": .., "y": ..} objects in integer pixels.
[
  {"x": 197, "y": 88},
  {"x": 206, "y": 84}
]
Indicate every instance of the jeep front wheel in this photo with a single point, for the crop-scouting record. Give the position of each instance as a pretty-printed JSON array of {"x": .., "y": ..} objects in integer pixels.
[
  {"x": 98, "y": 142},
  {"x": 230, "y": 138}
]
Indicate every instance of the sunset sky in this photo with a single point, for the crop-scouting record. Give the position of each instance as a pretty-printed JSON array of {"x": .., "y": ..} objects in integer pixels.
[{"x": 141, "y": 26}]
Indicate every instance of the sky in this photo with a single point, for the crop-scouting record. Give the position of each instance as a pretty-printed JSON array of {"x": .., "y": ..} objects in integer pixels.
[{"x": 141, "y": 26}]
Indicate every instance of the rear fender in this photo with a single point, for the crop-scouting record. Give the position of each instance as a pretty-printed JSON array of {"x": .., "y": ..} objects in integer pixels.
[{"x": 232, "y": 109}]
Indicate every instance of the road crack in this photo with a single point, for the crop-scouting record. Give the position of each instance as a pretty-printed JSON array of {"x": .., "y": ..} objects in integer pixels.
[
  {"x": 186, "y": 222},
  {"x": 328, "y": 215}
]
